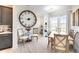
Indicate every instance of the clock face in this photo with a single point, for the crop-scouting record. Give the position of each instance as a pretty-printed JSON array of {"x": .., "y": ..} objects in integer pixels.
[{"x": 27, "y": 18}]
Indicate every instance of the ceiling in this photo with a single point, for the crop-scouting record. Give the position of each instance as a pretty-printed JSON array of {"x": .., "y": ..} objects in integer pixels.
[
  {"x": 58, "y": 8},
  {"x": 42, "y": 7},
  {"x": 46, "y": 9}
]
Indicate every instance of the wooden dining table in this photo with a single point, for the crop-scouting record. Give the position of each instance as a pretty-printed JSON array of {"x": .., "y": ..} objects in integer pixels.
[{"x": 51, "y": 38}]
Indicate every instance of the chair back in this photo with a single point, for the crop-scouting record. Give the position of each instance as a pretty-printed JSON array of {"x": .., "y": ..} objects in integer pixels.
[
  {"x": 76, "y": 42},
  {"x": 71, "y": 33},
  {"x": 20, "y": 32},
  {"x": 35, "y": 30},
  {"x": 61, "y": 42}
]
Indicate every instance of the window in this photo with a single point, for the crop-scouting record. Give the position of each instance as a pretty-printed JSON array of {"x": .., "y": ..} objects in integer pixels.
[
  {"x": 53, "y": 23},
  {"x": 63, "y": 23},
  {"x": 58, "y": 24}
]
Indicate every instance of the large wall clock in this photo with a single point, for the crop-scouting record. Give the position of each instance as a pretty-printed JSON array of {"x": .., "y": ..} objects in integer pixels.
[{"x": 27, "y": 18}]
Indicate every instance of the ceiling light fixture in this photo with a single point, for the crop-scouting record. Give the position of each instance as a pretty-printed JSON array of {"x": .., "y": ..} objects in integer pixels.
[{"x": 51, "y": 8}]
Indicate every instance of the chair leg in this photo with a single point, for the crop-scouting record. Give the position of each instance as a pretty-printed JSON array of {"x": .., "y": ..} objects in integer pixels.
[
  {"x": 34, "y": 37},
  {"x": 48, "y": 41},
  {"x": 23, "y": 42},
  {"x": 51, "y": 45},
  {"x": 54, "y": 49},
  {"x": 37, "y": 38},
  {"x": 54, "y": 46}
]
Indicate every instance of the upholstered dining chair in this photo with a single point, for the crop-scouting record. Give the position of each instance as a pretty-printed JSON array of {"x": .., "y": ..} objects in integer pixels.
[
  {"x": 21, "y": 36},
  {"x": 35, "y": 33},
  {"x": 71, "y": 33},
  {"x": 71, "y": 38},
  {"x": 61, "y": 43},
  {"x": 50, "y": 38},
  {"x": 76, "y": 42}
]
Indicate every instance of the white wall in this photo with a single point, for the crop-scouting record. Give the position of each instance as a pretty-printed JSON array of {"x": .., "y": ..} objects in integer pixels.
[
  {"x": 17, "y": 9},
  {"x": 46, "y": 19}
]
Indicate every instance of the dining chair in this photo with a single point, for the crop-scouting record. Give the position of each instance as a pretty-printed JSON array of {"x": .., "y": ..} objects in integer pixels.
[
  {"x": 21, "y": 36},
  {"x": 71, "y": 33},
  {"x": 76, "y": 42},
  {"x": 35, "y": 33},
  {"x": 50, "y": 38},
  {"x": 61, "y": 43},
  {"x": 71, "y": 39}
]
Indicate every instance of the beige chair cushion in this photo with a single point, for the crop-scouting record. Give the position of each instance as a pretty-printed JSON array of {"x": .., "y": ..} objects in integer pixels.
[
  {"x": 20, "y": 32},
  {"x": 23, "y": 37},
  {"x": 35, "y": 35},
  {"x": 70, "y": 40}
]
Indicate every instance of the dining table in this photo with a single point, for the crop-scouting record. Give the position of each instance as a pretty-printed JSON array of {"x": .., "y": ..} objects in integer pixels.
[{"x": 51, "y": 38}]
